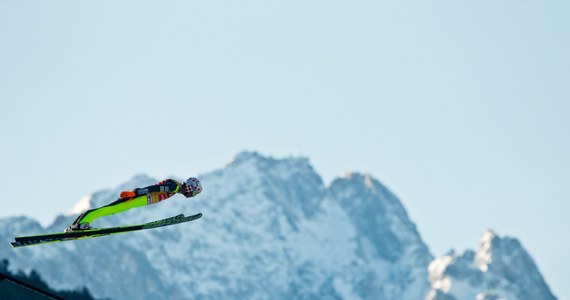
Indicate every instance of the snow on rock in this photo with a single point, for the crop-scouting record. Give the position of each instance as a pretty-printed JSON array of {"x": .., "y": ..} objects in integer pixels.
[
  {"x": 483, "y": 256},
  {"x": 82, "y": 205},
  {"x": 500, "y": 269}
]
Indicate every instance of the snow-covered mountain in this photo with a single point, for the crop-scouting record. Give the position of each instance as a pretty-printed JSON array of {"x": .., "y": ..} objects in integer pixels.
[
  {"x": 500, "y": 269},
  {"x": 271, "y": 229}
]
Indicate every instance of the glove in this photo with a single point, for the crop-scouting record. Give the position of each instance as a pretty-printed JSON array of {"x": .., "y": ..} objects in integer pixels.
[{"x": 128, "y": 194}]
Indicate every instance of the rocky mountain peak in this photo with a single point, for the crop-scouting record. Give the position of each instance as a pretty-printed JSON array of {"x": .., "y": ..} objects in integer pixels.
[{"x": 500, "y": 269}]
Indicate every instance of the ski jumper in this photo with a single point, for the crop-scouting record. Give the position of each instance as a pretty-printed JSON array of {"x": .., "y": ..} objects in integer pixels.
[{"x": 143, "y": 197}]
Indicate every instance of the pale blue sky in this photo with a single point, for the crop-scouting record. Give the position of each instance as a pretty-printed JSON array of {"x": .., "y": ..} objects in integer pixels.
[{"x": 460, "y": 107}]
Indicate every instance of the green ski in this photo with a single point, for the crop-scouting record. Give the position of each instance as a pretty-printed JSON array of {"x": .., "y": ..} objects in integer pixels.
[{"x": 84, "y": 234}]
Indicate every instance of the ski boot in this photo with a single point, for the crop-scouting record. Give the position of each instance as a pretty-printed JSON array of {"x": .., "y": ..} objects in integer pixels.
[{"x": 77, "y": 227}]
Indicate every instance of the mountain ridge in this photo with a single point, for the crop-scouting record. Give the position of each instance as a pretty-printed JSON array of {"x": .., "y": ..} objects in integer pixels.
[{"x": 266, "y": 220}]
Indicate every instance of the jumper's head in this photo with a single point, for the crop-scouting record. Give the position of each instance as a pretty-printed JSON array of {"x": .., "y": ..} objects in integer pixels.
[{"x": 191, "y": 187}]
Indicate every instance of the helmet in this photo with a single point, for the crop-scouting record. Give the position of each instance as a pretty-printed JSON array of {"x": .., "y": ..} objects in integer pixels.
[{"x": 191, "y": 187}]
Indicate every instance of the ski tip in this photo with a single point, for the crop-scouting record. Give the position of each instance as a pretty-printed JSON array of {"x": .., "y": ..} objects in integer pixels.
[{"x": 193, "y": 217}]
